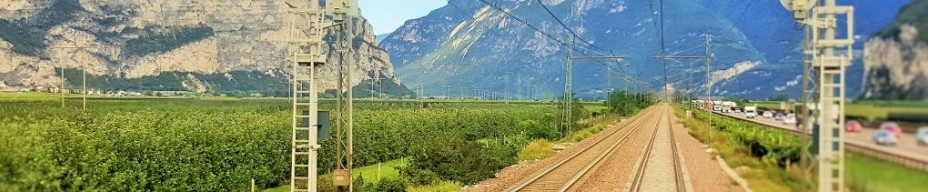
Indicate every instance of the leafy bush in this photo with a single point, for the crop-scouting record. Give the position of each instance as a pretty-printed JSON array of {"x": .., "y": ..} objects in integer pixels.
[
  {"x": 387, "y": 185},
  {"x": 537, "y": 149},
  {"x": 773, "y": 145},
  {"x": 196, "y": 145},
  {"x": 445, "y": 186},
  {"x": 144, "y": 150},
  {"x": 535, "y": 130},
  {"x": 418, "y": 176},
  {"x": 628, "y": 104},
  {"x": 464, "y": 161}
]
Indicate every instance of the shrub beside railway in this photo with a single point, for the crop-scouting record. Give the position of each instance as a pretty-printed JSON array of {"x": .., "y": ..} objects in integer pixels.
[{"x": 144, "y": 145}]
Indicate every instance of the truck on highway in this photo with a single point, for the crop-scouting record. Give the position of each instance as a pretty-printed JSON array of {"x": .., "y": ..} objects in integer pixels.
[
  {"x": 716, "y": 105},
  {"x": 750, "y": 111},
  {"x": 727, "y": 106}
]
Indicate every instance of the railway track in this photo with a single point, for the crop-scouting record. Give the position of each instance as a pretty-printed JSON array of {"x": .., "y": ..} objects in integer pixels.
[
  {"x": 565, "y": 173},
  {"x": 643, "y": 164}
]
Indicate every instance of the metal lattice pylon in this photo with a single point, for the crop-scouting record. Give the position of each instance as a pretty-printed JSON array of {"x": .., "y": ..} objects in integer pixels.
[
  {"x": 305, "y": 52},
  {"x": 343, "y": 14}
]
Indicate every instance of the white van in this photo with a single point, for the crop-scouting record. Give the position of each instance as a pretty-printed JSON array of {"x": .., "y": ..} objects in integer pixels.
[
  {"x": 750, "y": 111},
  {"x": 728, "y": 105}
]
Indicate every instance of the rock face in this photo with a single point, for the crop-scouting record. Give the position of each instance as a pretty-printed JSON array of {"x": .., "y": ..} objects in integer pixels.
[
  {"x": 755, "y": 47},
  {"x": 897, "y": 69},
  {"x": 137, "y": 39},
  {"x": 896, "y": 58}
]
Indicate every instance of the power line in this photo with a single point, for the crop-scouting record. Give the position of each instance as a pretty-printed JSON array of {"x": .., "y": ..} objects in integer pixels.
[
  {"x": 685, "y": 50},
  {"x": 546, "y": 34},
  {"x": 663, "y": 48},
  {"x": 565, "y": 26},
  {"x": 507, "y": 13},
  {"x": 520, "y": 20},
  {"x": 456, "y": 7},
  {"x": 743, "y": 11}
]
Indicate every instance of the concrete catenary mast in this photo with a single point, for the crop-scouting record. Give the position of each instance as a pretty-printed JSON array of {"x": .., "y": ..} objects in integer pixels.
[
  {"x": 306, "y": 45},
  {"x": 828, "y": 95}
]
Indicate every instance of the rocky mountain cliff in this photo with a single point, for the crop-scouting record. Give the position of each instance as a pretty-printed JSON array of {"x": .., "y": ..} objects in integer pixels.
[
  {"x": 897, "y": 59},
  {"x": 470, "y": 46},
  {"x": 187, "y": 45}
]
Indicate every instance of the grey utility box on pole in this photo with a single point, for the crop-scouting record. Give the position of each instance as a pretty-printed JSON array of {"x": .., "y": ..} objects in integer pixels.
[{"x": 323, "y": 127}]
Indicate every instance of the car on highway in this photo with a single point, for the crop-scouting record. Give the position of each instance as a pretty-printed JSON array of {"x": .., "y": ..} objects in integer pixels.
[
  {"x": 892, "y": 128},
  {"x": 779, "y": 116},
  {"x": 768, "y": 114},
  {"x": 750, "y": 112},
  {"x": 883, "y": 137},
  {"x": 922, "y": 135},
  {"x": 853, "y": 127},
  {"x": 790, "y": 119}
]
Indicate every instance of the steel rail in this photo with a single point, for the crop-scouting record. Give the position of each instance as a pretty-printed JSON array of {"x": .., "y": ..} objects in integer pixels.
[
  {"x": 598, "y": 161},
  {"x": 537, "y": 176},
  {"x": 677, "y": 166},
  {"x": 643, "y": 162}
]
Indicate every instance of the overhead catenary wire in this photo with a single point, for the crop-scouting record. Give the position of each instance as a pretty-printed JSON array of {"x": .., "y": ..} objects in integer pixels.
[
  {"x": 743, "y": 11},
  {"x": 663, "y": 49},
  {"x": 546, "y": 34},
  {"x": 520, "y": 20},
  {"x": 571, "y": 31},
  {"x": 458, "y": 8},
  {"x": 686, "y": 50}
]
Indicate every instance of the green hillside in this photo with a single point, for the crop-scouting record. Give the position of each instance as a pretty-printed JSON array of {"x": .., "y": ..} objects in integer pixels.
[{"x": 915, "y": 14}]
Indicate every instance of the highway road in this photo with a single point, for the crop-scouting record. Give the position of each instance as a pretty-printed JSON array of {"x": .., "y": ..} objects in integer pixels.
[{"x": 906, "y": 151}]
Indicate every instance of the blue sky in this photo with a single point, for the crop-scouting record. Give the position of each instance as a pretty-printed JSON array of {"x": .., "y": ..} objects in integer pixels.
[{"x": 387, "y": 15}]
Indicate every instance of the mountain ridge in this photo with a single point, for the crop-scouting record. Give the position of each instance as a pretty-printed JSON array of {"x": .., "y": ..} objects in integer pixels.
[
  {"x": 129, "y": 40},
  {"x": 462, "y": 43}
]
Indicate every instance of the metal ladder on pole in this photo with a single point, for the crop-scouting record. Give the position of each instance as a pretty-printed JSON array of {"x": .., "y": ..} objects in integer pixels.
[
  {"x": 306, "y": 55},
  {"x": 830, "y": 68}
]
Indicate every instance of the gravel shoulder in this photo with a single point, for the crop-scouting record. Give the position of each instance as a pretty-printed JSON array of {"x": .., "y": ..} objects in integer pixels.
[
  {"x": 619, "y": 166},
  {"x": 705, "y": 173},
  {"x": 659, "y": 174},
  {"x": 511, "y": 175}
]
